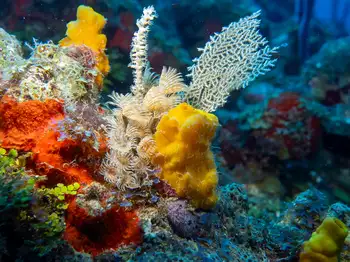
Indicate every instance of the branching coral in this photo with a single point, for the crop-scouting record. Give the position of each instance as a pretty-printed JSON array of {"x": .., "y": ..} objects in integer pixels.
[{"x": 139, "y": 49}]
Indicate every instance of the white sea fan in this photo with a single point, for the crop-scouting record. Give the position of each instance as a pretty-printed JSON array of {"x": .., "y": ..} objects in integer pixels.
[{"x": 230, "y": 60}]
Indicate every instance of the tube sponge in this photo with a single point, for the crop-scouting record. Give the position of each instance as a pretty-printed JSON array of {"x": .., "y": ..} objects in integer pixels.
[
  {"x": 86, "y": 30},
  {"x": 183, "y": 139},
  {"x": 326, "y": 242}
]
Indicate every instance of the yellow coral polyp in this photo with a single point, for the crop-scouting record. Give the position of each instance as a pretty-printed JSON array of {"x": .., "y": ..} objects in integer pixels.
[
  {"x": 183, "y": 140},
  {"x": 326, "y": 242},
  {"x": 86, "y": 30}
]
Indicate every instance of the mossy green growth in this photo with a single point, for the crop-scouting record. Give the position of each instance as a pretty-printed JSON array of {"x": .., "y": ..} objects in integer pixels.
[
  {"x": 11, "y": 163},
  {"x": 8, "y": 161},
  {"x": 52, "y": 205},
  {"x": 38, "y": 211},
  {"x": 17, "y": 193},
  {"x": 60, "y": 191},
  {"x": 53, "y": 226},
  {"x": 16, "y": 187}
]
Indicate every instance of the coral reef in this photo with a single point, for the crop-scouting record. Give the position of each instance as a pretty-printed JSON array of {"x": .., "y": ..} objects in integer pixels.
[
  {"x": 138, "y": 179},
  {"x": 327, "y": 72},
  {"x": 256, "y": 143}
]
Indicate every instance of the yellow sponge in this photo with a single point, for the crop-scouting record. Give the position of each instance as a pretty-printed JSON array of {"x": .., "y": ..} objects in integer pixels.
[
  {"x": 86, "y": 30},
  {"x": 183, "y": 140},
  {"x": 326, "y": 242}
]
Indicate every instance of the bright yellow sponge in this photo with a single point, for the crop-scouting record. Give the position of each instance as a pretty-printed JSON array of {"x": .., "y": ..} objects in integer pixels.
[
  {"x": 326, "y": 242},
  {"x": 86, "y": 30},
  {"x": 183, "y": 139}
]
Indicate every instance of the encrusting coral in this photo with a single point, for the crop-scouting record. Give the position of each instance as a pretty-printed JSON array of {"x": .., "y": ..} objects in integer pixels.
[
  {"x": 22, "y": 124},
  {"x": 95, "y": 234}
]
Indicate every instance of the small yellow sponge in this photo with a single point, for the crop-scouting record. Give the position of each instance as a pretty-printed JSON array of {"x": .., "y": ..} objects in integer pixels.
[
  {"x": 86, "y": 30},
  {"x": 183, "y": 140},
  {"x": 326, "y": 242}
]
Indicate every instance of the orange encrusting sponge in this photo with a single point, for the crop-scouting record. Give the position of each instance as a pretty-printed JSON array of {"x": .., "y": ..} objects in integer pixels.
[
  {"x": 326, "y": 242},
  {"x": 183, "y": 140},
  {"x": 86, "y": 30},
  {"x": 22, "y": 124}
]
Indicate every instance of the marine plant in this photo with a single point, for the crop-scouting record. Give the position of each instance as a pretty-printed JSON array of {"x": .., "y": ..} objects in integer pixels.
[{"x": 20, "y": 223}]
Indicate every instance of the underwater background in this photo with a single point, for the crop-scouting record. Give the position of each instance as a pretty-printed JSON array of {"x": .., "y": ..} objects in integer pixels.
[{"x": 159, "y": 130}]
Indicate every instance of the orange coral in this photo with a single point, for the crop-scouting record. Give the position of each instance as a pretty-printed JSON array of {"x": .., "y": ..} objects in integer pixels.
[
  {"x": 86, "y": 30},
  {"x": 22, "y": 124},
  {"x": 93, "y": 235},
  {"x": 31, "y": 126},
  {"x": 64, "y": 161}
]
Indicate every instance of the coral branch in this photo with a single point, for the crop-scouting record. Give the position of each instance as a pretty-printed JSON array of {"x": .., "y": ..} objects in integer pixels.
[{"x": 139, "y": 49}]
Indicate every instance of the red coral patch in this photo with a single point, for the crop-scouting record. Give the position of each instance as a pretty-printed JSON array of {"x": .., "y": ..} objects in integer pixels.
[
  {"x": 23, "y": 123},
  {"x": 291, "y": 122},
  {"x": 94, "y": 235}
]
